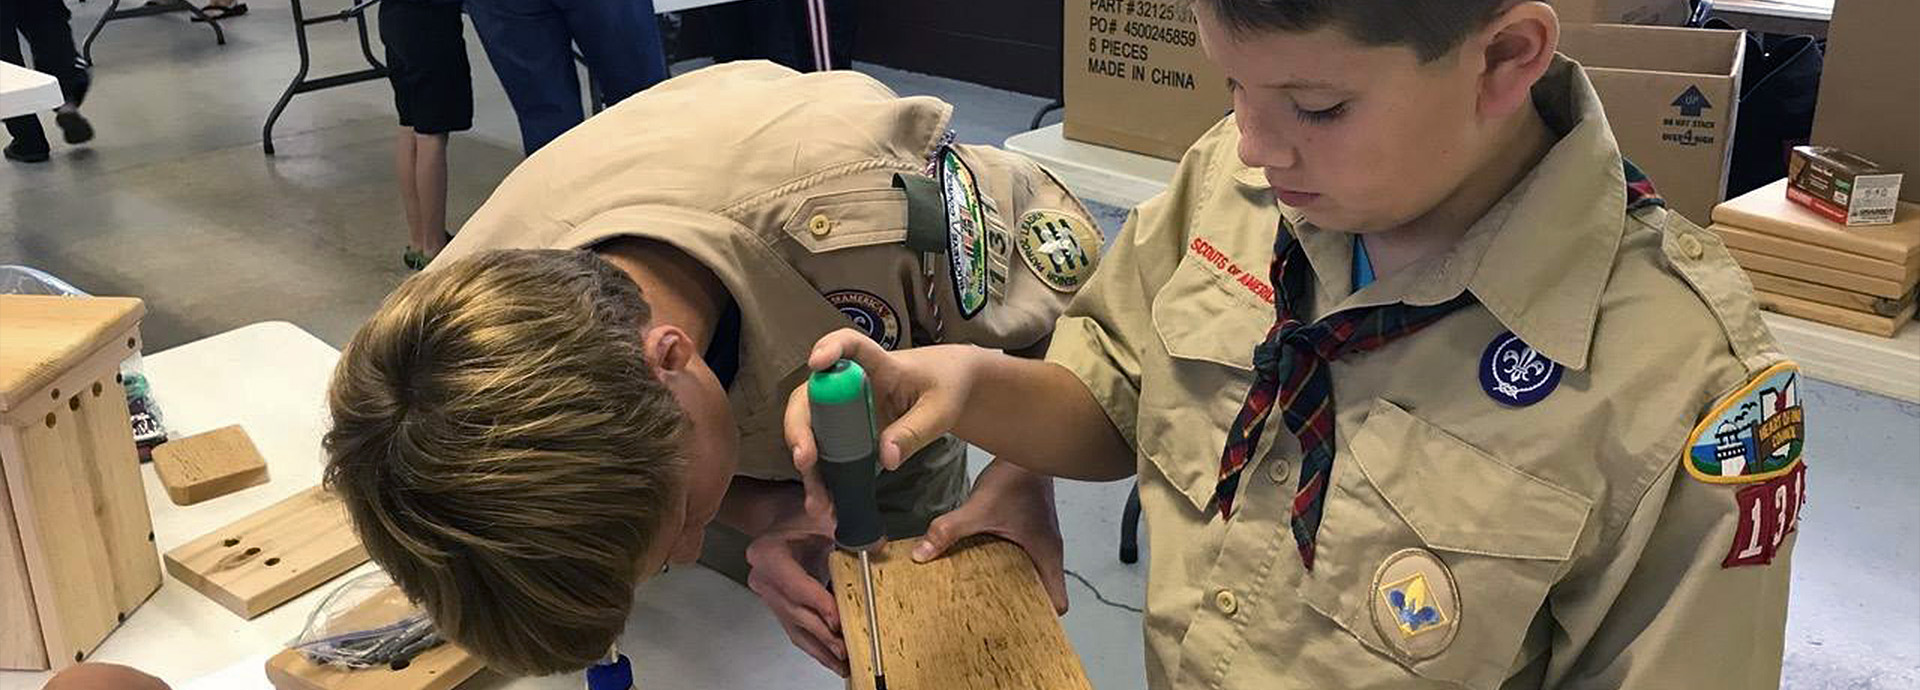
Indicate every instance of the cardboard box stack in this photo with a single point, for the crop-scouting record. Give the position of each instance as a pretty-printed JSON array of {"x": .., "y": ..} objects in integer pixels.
[{"x": 1806, "y": 266}]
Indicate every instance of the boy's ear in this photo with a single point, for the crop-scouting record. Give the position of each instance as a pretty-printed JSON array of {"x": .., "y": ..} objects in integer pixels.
[
  {"x": 668, "y": 349},
  {"x": 1516, "y": 49}
]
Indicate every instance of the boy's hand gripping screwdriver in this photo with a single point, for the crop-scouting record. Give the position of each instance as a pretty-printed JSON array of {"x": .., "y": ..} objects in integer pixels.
[{"x": 843, "y": 430}]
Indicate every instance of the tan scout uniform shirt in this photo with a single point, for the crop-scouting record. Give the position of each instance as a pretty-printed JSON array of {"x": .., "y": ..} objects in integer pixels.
[
  {"x": 1560, "y": 544},
  {"x": 784, "y": 185}
]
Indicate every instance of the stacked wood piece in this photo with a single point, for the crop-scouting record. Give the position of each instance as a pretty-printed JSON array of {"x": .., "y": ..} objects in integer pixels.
[
  {"x": 76, "y": 540},
  {"x": 1803, "y": 265}
]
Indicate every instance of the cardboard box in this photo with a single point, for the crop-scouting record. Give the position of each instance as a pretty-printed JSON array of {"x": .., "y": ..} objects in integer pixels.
[
  {"x": 1869, "y": 90},
  {"x": 1843, "y": 187},
  {"x": 1671, "y": 96},
  {"x": 1656, "y": 12},
  {"x": 1135, "y": 77}
]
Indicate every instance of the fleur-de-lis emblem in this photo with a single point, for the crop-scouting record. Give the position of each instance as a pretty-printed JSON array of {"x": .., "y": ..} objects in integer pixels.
[{"x": 1516, "y": 374}]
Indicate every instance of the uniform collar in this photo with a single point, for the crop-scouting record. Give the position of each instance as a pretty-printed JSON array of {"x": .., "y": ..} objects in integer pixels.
[{"x": 1539, "y": 259}]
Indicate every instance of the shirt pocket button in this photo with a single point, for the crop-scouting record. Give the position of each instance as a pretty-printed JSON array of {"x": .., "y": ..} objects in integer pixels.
[
  {"x": 1278, "y": 471},
  {"x": 1226, "y": 602}
]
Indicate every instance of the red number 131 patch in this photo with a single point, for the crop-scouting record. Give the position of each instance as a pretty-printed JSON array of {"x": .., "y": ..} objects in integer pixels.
[{"x": 1769, "y": 511}]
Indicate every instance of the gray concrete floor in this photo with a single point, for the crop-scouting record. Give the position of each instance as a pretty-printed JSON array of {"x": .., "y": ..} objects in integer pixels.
[{"x": 175, "y": 203}]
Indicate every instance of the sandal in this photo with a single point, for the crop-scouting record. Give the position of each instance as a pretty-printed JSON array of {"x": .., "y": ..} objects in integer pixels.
[{"x": 214, "y": 13}]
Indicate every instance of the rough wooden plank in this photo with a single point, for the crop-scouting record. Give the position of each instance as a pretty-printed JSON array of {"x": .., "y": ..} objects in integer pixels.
[
  {"x": 1878, "y": 287},
  {"x": 46, "y": 336},
  {"x": 1825, "y": 294},
  {"x": 271, "y": 556},
  {"x": 1874, "y": 324},
  {"x": 439, "y": 668},
  {"x": 114, "y": 468},
  {"x": 61, "y": 538},
  {"x": 21, "y": 647},
  {"x": 1774, "y": 245},
  {"x": 1767, "y": 210},
  {"x": 976, "y": 619},
  {"x": 209, "y": 465}
]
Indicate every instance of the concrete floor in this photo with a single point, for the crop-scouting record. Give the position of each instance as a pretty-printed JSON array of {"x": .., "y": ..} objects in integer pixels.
[{"x": 175, "y": 203}]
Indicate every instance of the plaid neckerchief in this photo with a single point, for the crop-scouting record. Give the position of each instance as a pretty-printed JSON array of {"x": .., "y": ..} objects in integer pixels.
[{"x": 1295, "y": 358}]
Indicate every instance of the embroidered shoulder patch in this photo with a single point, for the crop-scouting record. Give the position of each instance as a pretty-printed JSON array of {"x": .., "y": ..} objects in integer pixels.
[
  {"x": 966, "y": 233},
  {"x": 1060, "y": 248},
  {"x": 1753, "y": 434}
]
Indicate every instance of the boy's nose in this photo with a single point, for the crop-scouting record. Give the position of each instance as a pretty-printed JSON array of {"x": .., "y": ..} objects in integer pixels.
[{"x": 1259, "y": 149}]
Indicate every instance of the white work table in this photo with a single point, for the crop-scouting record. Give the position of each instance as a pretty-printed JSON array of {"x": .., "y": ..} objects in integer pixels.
[
  {"x": 691, "y": 628},
  {"x": 24, "y": 91},
  {"x": 1887, "y": 366}
]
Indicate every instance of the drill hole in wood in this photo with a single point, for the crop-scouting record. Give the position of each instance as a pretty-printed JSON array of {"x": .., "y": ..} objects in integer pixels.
[
  {"x": 97, "y": 388},
  {"x": 73, "y": 403},
  {"x": 231, "y": 541},
  {"x": 400, "y": 664},
  {"x": 56, "y": 394},
  {"x": 50, "y": 420},
  {"x": 251, "y": 551},
  {"x": 273, "y": 562},
  {"x": 131, "y": 343}
]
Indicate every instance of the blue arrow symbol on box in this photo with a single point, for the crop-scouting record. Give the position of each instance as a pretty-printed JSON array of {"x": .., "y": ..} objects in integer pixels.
[{"x": 1691, "y": 102}]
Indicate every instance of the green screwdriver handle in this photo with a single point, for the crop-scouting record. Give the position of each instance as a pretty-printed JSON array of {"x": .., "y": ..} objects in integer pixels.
[{"x": 843, "y": 430}]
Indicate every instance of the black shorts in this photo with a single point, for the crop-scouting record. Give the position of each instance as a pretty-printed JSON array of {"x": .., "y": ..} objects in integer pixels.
[{"x": 427, "y": 61}]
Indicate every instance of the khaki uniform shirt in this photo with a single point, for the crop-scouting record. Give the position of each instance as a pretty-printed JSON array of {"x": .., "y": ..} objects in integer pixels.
[
  {"x": 818, "y": 200},
  {"x": 1466, "y": 542}
]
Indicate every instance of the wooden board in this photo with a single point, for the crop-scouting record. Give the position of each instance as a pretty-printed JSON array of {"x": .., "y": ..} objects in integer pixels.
[
  {"x": 209, "y": 465},
  {"x": 21, "y": 647},
  {"x": 61, "y": 538},
  {"x": 1794, "y": 250},
  {"x": 1878, "y": 287},
  {"x": 976, "y": 619},
  {"x": 439, "y": 668},
  {"x": 1883, "y": 326},
  {"x": 1767, "y": 210},
  {"x": 1844, "y": 299},
  {"x": 47, "y": 336},
  {"x": 271, "y": 556}
]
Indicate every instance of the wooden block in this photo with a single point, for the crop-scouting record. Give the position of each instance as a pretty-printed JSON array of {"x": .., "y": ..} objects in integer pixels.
[
  {"x": 47, "y": 336},
  {"x": 1824, "y": 294},
  {"x": 1767, "y": 210},
  {"x": 1878, "y": 287},
  {"x": 1883, "y": 326},
  {"x": 1793, "y": 250},
  {"x": 439, "y": 668},
  {"x": 21, "y": 647},
  {"x": 271, "y": 556},
  {"x": 976, "y": 619},
  {"x": 209, "y": 465}
]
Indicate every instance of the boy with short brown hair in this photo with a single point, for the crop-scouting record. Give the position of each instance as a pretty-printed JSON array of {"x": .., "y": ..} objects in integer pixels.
[{"x": 1423, "y": 385}]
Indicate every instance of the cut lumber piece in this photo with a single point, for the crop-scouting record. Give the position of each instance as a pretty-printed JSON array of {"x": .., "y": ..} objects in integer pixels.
[
  {"x": 440, "y": 668},
  {"x": 975, "y": 619},
  {"x": 1875, "y": 324},
  {"x": 1767, "y": 210},
  {"x": 1795, "y": 250},
  {"x": 1878, "y": 287},
  {"x": 113, "y": 467},
  {"x": 271, "y": 556},
  {"x": 47, "y": 336},
  {"x": 20, "y": 645},
  {"x": 209, "y": 465},
  {"x": 1825, "y": 294}
]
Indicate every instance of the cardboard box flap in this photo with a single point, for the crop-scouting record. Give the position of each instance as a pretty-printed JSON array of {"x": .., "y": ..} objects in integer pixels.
[{"x": 1654, "y": 48}]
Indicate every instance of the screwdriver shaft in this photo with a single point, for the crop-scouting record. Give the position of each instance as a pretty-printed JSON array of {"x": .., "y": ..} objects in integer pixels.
[{"x": 873, "y": 621}]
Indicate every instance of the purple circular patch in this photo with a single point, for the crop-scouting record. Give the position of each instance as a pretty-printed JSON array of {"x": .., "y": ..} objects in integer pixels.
[{"x": 1512, "y": 373}]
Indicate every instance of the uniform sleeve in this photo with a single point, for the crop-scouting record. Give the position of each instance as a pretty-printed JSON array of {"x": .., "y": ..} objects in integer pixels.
[
  {"x": 1694, "y": 594},
  {"x": 1109, "y": 324}
]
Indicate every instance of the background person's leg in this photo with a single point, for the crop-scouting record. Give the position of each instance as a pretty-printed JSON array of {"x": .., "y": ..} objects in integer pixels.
[
  {"x": 430, "y": 192},
  {"x": 29, "y": 140},
  {"x": 46, "y": 26},
  {"x": 621, "y": 41},
  {"x": 531, "y": 50}
]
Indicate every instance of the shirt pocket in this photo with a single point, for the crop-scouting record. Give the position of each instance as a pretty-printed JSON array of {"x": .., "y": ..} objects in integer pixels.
[
  {"x": 1504, "y": 535},
  {"x": 1208, "y": 326},
  {"x": 850, "y": 218}
]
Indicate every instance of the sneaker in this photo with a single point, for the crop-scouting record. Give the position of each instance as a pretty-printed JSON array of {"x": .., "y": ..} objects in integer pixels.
[
  {"x": 13, "y": 153},
  {"x": 74, "y": 126}
]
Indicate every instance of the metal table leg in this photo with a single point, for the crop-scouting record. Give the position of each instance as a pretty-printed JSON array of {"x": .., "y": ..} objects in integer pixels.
[
  {"x": 165, "y": 6},
  {"x": 300, "y": 83}
]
